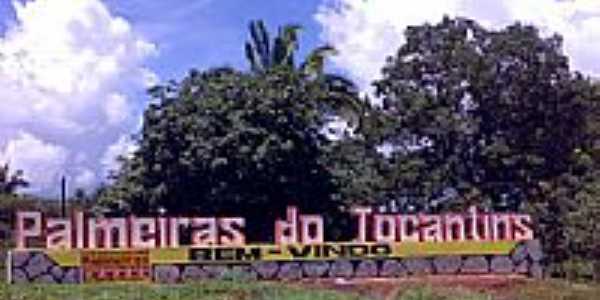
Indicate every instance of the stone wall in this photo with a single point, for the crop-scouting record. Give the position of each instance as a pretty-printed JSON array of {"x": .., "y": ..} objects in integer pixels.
[
  {"x": 37, "y": 267},
  {"x": 526, "y": 259}
]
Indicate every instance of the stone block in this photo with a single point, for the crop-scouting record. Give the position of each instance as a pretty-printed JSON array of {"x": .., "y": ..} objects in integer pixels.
[
  {"x": 447, "y": 264},
  {"x": 19, "y": 258},
  {"x": 38, "y": 264},
  {"x": 418, "y": 266},
  {"x": 341, "y": 268},
  {"x": 366, "y": 268},
  {"x": 535, "y": 250},
  {"x": 243, "y": 273},
  {"x": 392, "y": 268},
  {"x": 57, "y": 272},
  {"x": 216, "y": 271},
  {"x": 475, "y": 265},
  {"x": 72, "y": 275},
  {"x": 289, "y": 271},
  {"x": 19, "y": 276},
  {"x": 315, "y": 269},
  {"x": 166, "y": 274},
  {"x": 266, "y": 269},
  {"x": 501, "y": 265},
  {"x": 192, "y": 273},
  {"x": 45, "y": 278}
]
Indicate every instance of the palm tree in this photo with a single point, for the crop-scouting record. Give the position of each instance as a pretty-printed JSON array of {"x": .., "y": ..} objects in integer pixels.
[
  {"x": 9, "y": 184},
  {"x": 263, "y": 55}
]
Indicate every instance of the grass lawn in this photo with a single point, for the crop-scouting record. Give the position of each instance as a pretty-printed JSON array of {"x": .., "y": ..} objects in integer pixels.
[
  {"x": 211, "y": 290},
  {"x": 222, "y": 290}
]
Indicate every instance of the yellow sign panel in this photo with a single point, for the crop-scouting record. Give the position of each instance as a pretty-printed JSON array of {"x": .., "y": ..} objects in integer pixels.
[
  {"x": 453, "y": 248},
  {"x": 169, "y": 255},
  {"x": 95, "y": 260},
  {"x": 66, "y": 258},
  {"x": 330, "y": 251}
]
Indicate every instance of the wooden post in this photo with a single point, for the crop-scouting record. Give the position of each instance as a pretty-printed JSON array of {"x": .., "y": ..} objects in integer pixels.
[{"x": 63, "y": 196}]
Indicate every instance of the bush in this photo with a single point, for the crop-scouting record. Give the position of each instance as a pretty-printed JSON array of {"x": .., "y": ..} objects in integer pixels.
[{"x": 578, "y": 269}]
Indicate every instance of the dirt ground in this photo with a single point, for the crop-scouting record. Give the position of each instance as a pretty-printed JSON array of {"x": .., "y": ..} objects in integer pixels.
[{"x": 501, "y": 287}]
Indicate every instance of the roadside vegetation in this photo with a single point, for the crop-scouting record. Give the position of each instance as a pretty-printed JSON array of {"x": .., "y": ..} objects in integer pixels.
[{"x": 234, "y": 290}]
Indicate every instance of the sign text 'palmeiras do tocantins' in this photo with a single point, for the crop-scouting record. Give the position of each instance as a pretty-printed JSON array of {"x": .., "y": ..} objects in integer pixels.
[
  {"x": 167, "y": 248},
  {"x": 81, "y": 232}
]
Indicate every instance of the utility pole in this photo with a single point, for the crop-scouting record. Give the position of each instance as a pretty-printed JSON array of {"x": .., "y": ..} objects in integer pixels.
[{"x": 63, "y": 196}]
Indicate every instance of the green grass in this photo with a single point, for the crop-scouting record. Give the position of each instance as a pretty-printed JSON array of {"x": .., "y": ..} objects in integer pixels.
[
  {"x": 239, "y": 290},
  {"x": 211, "y": 290},
  {"x": 429, "y": 293}
]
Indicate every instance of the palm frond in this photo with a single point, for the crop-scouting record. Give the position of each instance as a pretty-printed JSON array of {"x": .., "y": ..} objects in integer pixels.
[{"x": 315, "y": 62}]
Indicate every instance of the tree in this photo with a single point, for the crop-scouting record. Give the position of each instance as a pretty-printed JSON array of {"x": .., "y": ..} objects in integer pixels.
[
  {"x": 245, "y": 143},
  {"x": 262, "y": 56},
  {"x": 490, "y": 113},
  {"x": 223, "y": 141},
  {"x": 10, "y": 183},
  {"x": 499, "y": 116}
]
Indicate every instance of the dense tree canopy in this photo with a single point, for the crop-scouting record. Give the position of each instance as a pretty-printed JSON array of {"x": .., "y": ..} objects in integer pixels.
[
  {"x": 499, "y": 117},
  {"x": 223, "y": 141},
  {"x": 496, "y": 113},
  {"x": 223, "y": 136}
]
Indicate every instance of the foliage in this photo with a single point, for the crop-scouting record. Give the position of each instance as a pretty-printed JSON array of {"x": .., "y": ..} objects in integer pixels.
[
  {"x": 498, "y": 116},
  {"x": 229, "y": 137},
  {"x": 495, "y": 112},
  {"x": 574, "y": 239},
  {"x": 264, "y": 57},
  {"x": 10, "y": 183},
  {"x": 223, "y": 141}
]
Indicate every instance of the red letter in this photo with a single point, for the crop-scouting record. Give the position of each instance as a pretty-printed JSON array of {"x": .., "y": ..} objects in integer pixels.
[
  {"x": 523, "y": 231},
  {"x": 59, "y": 234},
  {"x": 24, "y": 231},
  {"x": 382, "y": 222},
  {"x": 362, "y": 213},
  {"x": 308, "y": 221},
  {"x": 235, "y": 237},
  {"x": 286, "y": 232}
]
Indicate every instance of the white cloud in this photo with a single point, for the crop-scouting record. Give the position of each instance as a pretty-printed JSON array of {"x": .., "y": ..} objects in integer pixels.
[
  {"x": 366, "y": 32},
  {"x": 85, "y": 179},
  {"x": 68, "y": 70},
  {"x": 42, "y": 160},
  {"x": 125, "y": 146},
  {"x": 116, "y": 109}
]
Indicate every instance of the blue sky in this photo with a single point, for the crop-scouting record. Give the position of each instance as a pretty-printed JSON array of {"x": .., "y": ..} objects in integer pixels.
[
  {"x": 6, "y": 13},
  {"x": 73, "y": 73},
  {"x": 206, "y": 33},
  {"x": 202, "y": 33}
]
